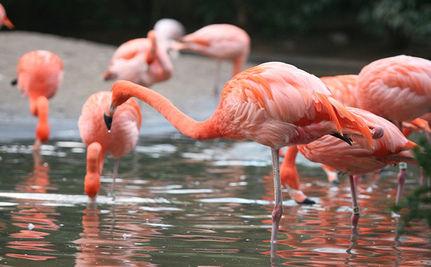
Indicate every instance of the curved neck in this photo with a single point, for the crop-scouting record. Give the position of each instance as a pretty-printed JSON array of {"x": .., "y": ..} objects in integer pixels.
[
  {"x": 41, "y": 110},
  {"x": 151, "y": 53},
  {"x": 290, "y": 156},
  {"x": 163, "y": 56},
  {"x": 93, "y": 156},
  {"x": 182, "y": 122},
  {"x": 92, "y": 177},
  {"x": 288, "y": 172}
]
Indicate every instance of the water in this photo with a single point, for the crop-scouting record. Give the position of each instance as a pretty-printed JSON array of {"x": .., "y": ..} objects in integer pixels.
[{"x": 184, "y": 203}]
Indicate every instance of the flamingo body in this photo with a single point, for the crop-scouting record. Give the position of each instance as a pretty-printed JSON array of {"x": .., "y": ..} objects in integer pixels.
[
  {"x": 40, "y": 73},
  {"x": 220, "y": 41},
  {"x": 396, "y": 88},
  {"x": 343, "y": 88},
  {"x": 141, "y": 60},
  {"x": 125, "y": 129}
]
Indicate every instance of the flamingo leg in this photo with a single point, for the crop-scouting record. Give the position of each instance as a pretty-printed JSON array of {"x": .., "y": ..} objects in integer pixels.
[
  {"x": 277, "y": 212},
  {"x": 353, "y": 189},
  {"x": 37, "y": 144},
  {"x": 217, "y": 78},
  {"x": 114, "y": 176},
  {"x": 401, "y": 178}
]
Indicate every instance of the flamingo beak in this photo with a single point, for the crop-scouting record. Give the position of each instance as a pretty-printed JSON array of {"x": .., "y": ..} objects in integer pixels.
[
  {"x": 8, "y": 23},
  {"x": 108, "y": 76},
  {"x": 108, "y": 121},
  {"x": 14, "y": 82},
  {"x": 108, "y": 118},
  {"x": 343, "y": 137}
]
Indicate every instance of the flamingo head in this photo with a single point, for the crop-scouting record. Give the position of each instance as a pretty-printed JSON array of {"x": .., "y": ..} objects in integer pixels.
[
  {"x": 8, "y": 23},
  {"x": 92, "y": 184},
  {"x": 92, "y": 177},
  {"x": 169, "y": 29},
  {"x": 42, "y": 132},
  {"x": 132, "y": 69},
  {"x": 120, "y": 94}
]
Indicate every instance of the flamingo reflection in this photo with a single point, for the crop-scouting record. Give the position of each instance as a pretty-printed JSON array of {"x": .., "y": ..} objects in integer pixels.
[
  {"x": 112, "y": 241},
  {"x": 35, "y": 221}
]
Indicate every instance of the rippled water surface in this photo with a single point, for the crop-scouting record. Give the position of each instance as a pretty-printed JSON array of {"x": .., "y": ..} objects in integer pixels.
[{"x": 183, "y": 203}]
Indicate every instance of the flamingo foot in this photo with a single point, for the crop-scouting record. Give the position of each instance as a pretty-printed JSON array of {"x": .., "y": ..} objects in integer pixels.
[{"x": 307, "y": 201}]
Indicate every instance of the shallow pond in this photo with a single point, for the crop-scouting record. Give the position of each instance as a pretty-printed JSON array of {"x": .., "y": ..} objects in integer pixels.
[{"x": 185, "y": 203}]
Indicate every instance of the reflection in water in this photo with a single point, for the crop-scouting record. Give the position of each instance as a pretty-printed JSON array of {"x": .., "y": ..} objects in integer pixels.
[
  {"x": 35, "y": 221},
  {"x": 113, "y": 241},
  {"x": 178, "y": 205}
]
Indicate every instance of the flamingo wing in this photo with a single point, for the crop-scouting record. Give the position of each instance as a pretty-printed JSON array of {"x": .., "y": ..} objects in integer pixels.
[{"x": 343, "y": 88}]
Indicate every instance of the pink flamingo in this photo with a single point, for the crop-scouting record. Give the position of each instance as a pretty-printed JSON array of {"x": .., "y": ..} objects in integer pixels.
[
  {"x": 360, "y": 158},
  {"x": 118, "y": 142},
  {"x": 403, "y": 74},
  {"x": 4, "y": 20},
  {"x": 141, "y": 61},
  {"x": 219, "y": 41},
  {"x": 274, "y": 104},
  {"x": 398, "y": 89},
  {"x": 39, "y": 75}
]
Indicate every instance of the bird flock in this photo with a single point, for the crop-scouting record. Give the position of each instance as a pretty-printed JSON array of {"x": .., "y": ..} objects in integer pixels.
[{"x": 353, "y": 123}]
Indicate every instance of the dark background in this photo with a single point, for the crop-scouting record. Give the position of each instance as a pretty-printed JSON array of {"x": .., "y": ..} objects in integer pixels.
[{"x": 336, "y": 28}]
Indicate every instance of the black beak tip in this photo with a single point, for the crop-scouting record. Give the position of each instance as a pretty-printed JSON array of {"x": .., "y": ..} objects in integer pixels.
[
  {"x": 14, "y": 82},
  {"x": 108, "y": 121},
  {"x": 343, "y": 137}
]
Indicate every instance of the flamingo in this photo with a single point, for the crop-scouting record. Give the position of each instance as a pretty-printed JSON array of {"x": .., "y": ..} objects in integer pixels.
[
  {"x": 219, "y": 41},
  {"x": 119, "y": 142},
  {"x": 360, "y": 158},
  {"x": 4, "y": 20},
  {"x": 40, "y": 73},
  {"x": 273, "y": 104},
  {"x": 397, "y": 88},
  {"x": 377, "y": 85},
  {"x": 141, "y": 61}
]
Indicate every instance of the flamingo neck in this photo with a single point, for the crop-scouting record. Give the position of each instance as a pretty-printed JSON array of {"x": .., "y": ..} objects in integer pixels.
[
  {"x": 151, "y": 53},
  {"x": 122, "y": 90},
  {"x": 163, "y": 57},
  {"x": 290, "y": 156},
  {"x": 288, "y": 172},
  {"x": 41, "y": 110},
  {"x": 238, "y": 64},
  {"x": 94, "y": 169}
]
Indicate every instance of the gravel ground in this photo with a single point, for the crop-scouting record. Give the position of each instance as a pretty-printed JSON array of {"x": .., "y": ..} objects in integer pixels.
[{"x": 190, "y": 88}]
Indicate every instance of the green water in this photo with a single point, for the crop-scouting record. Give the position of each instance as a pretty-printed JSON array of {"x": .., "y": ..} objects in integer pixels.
[{"x": 185, "y": 203}]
